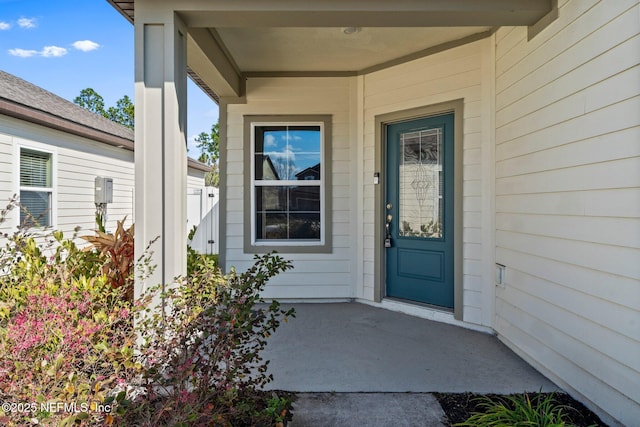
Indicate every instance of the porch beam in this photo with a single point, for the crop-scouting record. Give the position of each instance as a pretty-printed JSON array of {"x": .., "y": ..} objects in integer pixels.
[
  {"x": 363, "y": 13},
  {"x": 160, "y": 146},
  {"x": 208, "y": 58}
]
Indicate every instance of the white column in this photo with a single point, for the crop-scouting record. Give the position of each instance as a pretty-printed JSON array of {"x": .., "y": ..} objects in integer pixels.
[{"x": 160, "y": 146}]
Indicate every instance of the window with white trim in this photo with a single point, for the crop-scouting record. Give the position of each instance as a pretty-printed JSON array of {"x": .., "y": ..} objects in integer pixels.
[
  {"x": 36, "y": 188},
  {"x": 288, "y": 184}
]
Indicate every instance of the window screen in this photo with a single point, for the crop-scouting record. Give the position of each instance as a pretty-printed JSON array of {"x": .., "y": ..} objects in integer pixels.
[{"x": 35, "y": 188}]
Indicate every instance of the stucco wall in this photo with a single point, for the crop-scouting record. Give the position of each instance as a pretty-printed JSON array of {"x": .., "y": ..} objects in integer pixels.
[{"x": 568, "y": 200}]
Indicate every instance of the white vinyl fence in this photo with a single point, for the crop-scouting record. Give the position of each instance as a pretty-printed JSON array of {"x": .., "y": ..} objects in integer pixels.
[{"x": 202, "y": 212}]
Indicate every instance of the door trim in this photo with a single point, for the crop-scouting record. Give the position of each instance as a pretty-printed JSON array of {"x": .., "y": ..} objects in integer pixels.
[{"x": 381, "y": 121}]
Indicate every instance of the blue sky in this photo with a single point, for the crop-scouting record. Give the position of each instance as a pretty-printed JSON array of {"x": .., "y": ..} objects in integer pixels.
[{"x": 65, "y": 46}]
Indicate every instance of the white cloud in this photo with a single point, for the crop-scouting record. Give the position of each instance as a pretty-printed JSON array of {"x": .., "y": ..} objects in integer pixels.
[
  {"x": 4, "y": 25},
  {"x": 53, "y": 51},
  {"x": 86, "y": 45},
  {"x": 47, "y": 52},
  {"x": 269, "y": 141},
  {"x": 284, "y": 155},
  {"x": 289, "y": 137},
  {"x": 23, "y": 53},
  {"x": 27, "y": 22}
]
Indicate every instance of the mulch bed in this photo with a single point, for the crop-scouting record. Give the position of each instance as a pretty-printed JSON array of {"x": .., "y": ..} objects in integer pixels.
[{"x": 459, "y": 406}]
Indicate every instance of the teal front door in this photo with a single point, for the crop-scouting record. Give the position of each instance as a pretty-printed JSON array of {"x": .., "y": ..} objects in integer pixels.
[{"x": 419, "y": 210}]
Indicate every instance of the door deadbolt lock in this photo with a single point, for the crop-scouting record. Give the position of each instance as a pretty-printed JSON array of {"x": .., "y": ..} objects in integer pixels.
[{"x": 387, "y": 226}]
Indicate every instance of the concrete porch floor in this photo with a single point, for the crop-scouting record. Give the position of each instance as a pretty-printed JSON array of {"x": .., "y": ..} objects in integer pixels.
[{"x": 356, "y": 348}]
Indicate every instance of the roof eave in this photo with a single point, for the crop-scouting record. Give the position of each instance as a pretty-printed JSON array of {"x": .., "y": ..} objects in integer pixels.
[
  {"x": 49, "y": 120},
  {"x": 125, "y": 8}
]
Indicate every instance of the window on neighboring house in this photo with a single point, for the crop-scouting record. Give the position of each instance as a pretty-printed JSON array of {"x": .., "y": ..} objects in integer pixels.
[
  {"x": 36, "y": 188},
  {"x": 288, "y": 183}
]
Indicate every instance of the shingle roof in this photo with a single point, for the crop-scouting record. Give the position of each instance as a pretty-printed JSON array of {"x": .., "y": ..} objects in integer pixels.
[
  {"x": 26, "y": 101},
  {"x": 18, "y": 91}
]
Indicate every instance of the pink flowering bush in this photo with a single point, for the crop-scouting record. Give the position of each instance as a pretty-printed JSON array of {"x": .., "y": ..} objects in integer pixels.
[
  {"x": 66, "y": 337},
  {"x": 75, "y": 350}
]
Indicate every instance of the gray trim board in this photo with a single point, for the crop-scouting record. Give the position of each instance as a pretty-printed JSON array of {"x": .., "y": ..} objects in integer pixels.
[
  {"x": 326, "y": 228},
  {"x": 544, "y": 22}
]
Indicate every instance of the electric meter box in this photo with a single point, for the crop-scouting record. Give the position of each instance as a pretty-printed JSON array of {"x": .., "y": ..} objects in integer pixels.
[{"x": 103, "y": 190}]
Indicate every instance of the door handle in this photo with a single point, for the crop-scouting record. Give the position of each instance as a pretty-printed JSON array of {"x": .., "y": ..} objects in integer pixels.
[{"x": 387, "y": 227}]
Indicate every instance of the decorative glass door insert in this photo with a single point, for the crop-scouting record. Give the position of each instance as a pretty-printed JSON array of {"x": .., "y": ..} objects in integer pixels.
[{"x": 420, "y": 184}]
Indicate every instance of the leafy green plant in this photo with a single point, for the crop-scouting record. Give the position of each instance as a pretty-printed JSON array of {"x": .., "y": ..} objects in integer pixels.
[
  {"x": 197, "y": 262},
  {"x": 201, "y": 355},
  {"x": 518, "y": 411},
  {"x": 278, "y": 409},
  {"x": 66, "y": 336}
]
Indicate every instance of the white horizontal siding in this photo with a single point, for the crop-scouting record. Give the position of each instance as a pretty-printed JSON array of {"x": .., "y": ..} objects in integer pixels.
[
  {"x": 314, "y": 275},
  {"x": 453, "y": 74},
  {"x": 568, "y": 200},
  {"x": 195, "y": 178},
  {"x": 76, "y": 182},
  {"x": 78, "y": 161}
]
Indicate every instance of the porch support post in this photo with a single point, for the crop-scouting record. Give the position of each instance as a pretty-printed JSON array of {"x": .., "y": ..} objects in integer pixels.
[{"x": 160, "y": 145}]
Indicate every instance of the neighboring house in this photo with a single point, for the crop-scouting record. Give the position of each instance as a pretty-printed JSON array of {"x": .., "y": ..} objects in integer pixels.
[
  {"x": 479, "y": 162},
  {"x": 51, "y": 151}
]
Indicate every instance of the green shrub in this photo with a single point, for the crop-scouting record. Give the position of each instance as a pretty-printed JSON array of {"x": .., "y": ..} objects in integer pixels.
[
  {"x": 67, "y": 338},
  {"x": 197, "y": 262},
  {"x": 518, "y": 411},
  {"x": 202, "y": 354}
]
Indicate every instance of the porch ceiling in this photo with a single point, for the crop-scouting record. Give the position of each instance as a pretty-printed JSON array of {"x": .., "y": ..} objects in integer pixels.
[
  {"x": 331, "y": 49},
  {"x": 230, "y": 40}
]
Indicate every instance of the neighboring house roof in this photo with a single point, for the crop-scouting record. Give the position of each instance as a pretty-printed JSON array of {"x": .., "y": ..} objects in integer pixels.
[
  {"x": 26, "y": 101},
  {"x": 312, "y": 172}
]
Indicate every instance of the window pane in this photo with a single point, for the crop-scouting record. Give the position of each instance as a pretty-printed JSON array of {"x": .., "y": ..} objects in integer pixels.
[
  {"x": 38, "y": 207},
  {"x": 272, "y": 199},
  {"x": 270, "y": 226},
  {"x": 311, "y": 171},
  {"x": 304, "y": 198},
  {"x": 35, "y": 168},
  {"x": 288, "y": 213},
  {"x": 304, "y": 226},
  {"x": 287, "y": 153},
  {"x": 304, "y": 138}
]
